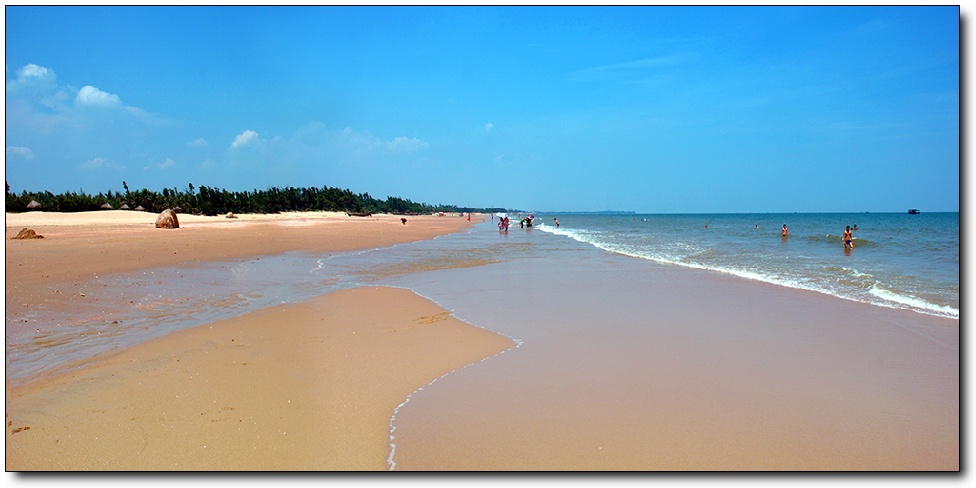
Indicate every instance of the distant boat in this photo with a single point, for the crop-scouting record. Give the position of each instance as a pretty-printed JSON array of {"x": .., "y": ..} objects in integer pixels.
[{"x": 914, "y": 211}]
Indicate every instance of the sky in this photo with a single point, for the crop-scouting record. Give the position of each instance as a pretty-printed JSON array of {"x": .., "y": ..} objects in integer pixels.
[{"x": 647, "y": 109}]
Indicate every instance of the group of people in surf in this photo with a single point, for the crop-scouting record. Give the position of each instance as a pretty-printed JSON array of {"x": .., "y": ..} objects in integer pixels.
[
  {"x": 504, "y": 222},
  {"x": 848, "y": 237}
]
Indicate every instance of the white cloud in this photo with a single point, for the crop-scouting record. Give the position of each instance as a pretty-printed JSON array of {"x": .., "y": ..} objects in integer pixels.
[
  {"x": 401, "y": 145},
  {"x": 489, "y": 126},
  {"x": 245, "y": 138},
  {"x": 90, "y": 96},
  {"x": 23, "y": 152},
  {"x": 100, "y": 163},
  {"x": 34, "y": 72},
  {"x": 165, "y": 164},
  {"x": 199, "y": 142},
  {"x": 364, "y": 142},
  {"x": 37, "y": 86}
]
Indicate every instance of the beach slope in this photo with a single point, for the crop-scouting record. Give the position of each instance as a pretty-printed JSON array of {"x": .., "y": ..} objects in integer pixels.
[{"x": 308, "y": 386}]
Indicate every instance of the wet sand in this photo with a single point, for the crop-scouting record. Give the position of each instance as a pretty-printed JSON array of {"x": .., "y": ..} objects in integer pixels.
[
  {"x": 308, "y": 386},
  {"x": 634, "y": 366},
  {"x": 302, "y": 387}
]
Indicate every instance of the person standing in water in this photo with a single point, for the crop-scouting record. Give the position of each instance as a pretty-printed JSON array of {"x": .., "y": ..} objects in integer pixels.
[
  {"x": 786, "y": 233},
  {"x": 557, "y": 223},
  {"x": 848, "y": 238}
]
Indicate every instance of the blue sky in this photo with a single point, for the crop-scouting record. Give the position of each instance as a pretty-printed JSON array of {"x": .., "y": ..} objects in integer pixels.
[{"x": 651, "y": 109}]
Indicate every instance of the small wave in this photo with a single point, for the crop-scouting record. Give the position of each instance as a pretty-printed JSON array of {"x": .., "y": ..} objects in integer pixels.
[
  {"x": 859, "y": 242},
  {"x": 855, "y": 279},
  {"x": 913, "y": 302},
  {"x": 835, "y": 239}
]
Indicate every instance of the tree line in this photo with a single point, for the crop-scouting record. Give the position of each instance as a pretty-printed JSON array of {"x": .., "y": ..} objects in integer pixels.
[{"x": 205, "y": 200}]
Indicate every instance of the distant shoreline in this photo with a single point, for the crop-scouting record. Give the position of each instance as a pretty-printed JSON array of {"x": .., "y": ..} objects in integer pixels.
[{"x": 631, "y": 212}]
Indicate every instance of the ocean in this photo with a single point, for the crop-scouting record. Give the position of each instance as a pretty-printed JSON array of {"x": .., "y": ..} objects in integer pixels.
[{"x": 898, "y": 260}]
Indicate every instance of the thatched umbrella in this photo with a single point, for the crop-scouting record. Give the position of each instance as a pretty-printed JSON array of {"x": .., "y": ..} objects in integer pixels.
[
  {"x": 34, "y": 205},
  {"x": 106, "y": 206}
]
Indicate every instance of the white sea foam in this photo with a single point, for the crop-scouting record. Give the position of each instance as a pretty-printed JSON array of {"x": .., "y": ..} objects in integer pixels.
[
  {"x": 913, "y": 302},
  {"x": 683, "y": 255}
]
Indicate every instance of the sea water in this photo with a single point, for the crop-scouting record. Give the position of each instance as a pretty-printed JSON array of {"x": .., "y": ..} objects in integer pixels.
[{"x": 899, "y": 260}]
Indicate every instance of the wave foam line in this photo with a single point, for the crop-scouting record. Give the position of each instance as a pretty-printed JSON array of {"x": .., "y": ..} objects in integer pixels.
[
  {"x": 518, "y": 343},
  {"x": 913, "y": 302},
  {"x": 888, "y": 298}
]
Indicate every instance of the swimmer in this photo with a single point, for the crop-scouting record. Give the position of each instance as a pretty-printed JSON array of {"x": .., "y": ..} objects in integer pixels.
[{"x": 785, "y": 232}]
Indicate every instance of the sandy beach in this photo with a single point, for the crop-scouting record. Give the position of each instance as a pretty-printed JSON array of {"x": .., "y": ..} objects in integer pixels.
[
  {"x": 78, "y": 247},
  {"x": 307, "y": 386},
  {"x": 620, "y": 364}
]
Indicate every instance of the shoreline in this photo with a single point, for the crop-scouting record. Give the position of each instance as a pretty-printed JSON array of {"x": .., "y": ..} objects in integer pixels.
[
  {"x": 216, "y": 396},
  {"x": 627, "y": 364},
  {"x": 675, "y": 369},
  {"x": 54, "y": 273}
]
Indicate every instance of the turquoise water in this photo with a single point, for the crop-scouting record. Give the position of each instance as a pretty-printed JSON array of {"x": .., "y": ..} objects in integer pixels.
[{"x": 899, "y": 260}]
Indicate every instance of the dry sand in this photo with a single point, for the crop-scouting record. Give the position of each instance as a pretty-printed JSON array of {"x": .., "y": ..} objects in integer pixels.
[
  {"x": 80, "y": 246},
  {"x": 309, "y": 386}
]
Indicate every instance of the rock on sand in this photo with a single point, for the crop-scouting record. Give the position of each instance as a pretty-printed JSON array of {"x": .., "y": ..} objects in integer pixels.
[
  {"x": 26, "y": 233},
  {"x": 167, "y": 220}
]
